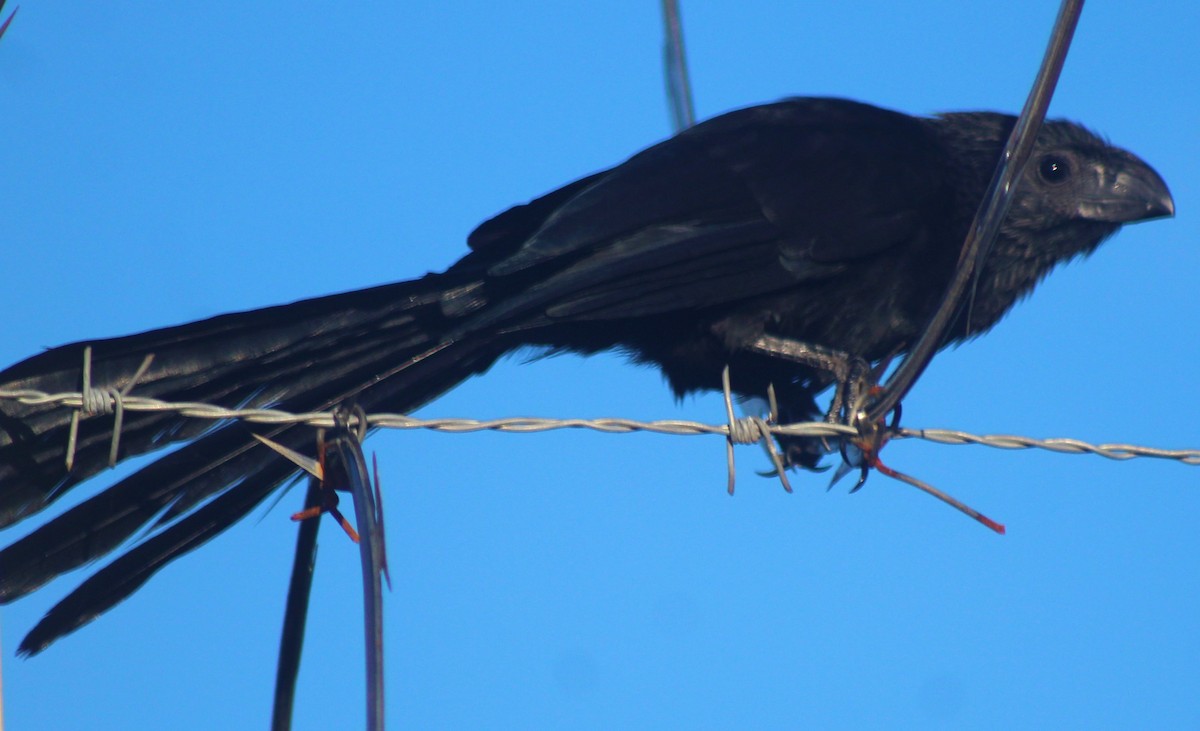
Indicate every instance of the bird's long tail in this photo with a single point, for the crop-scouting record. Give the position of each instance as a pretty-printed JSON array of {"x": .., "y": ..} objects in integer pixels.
[{"x": 390, "y": 348}]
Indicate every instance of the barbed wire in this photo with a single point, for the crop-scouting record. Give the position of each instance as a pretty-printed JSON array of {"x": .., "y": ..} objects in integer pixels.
[{"x": 738, "y": 432}]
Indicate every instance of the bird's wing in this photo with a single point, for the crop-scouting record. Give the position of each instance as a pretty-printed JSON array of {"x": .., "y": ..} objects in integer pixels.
[{"x": 750, "y": 203}]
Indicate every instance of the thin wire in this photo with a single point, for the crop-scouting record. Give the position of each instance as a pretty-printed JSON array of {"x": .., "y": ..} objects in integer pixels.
[
  {"x": 345, "y": 440},
  {"x": 295, "y": 617},
  {"x": 992, "y": 210},
  {"x": 679, "y": 86},
  {"x": 3, "y": 28}
]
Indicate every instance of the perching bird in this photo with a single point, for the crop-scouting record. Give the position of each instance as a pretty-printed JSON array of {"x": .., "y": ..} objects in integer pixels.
[{"x": 816, "y": 221}]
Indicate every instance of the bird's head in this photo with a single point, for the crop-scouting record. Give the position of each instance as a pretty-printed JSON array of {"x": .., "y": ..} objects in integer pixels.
[
  {"x": 1077, "y": 181},
  {"x": 1075, "y": 192}
]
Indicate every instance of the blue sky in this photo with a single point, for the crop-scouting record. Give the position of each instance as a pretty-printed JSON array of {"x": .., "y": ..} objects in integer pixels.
[{"x": 165, "y": 162}]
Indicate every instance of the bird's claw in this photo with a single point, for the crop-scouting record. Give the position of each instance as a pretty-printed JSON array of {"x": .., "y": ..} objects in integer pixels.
[{"x": 862, "y": 451}]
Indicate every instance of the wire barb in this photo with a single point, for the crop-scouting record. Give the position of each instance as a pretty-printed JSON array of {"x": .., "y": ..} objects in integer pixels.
[
  {"x": 749, "y": 430},
  {"x": 944, "y": 497},
  {"x": 97, "y": 401},
  {"x": 119, "y": 407}
]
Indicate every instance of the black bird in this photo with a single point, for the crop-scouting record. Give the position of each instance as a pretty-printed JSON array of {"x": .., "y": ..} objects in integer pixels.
[{"x": 822, "y": 222}]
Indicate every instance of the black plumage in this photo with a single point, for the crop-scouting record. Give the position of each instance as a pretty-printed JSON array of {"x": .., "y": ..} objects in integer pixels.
[{"x": 819, "y": 221}]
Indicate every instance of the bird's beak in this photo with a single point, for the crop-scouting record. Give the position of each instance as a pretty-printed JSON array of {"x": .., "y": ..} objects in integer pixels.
[{"x": 1135, "y": 193}]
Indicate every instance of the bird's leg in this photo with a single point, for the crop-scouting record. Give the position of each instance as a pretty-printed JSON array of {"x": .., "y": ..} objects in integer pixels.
[
  {"x": 852, "y": 391},
  {"x": 852, "y": 376},
  {"x": 855, "y": 382}
]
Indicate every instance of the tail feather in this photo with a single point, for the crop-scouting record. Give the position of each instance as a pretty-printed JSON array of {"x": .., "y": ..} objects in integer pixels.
[
  {"x": 323, "y": 353},
  {"x": 103, "y": 522},
  {"x": 270, "y": 357},
  {"x": 125, "y": 575}
]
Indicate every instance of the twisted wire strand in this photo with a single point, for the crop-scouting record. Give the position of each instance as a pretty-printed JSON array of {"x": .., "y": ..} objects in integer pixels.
[{"x": 526, "y": 424}]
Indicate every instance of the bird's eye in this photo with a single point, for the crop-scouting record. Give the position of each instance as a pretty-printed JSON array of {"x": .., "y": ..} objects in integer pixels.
[{"x": 1054, "y": 169}]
